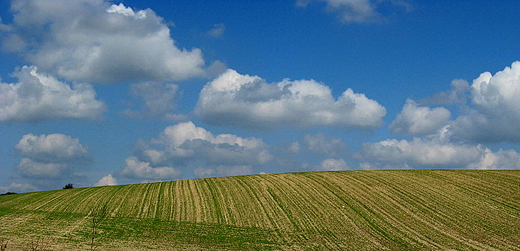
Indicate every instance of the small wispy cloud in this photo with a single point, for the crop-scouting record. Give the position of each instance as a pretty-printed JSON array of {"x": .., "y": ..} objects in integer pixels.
[
  {"x": 359, "y": 11},
  {"x": 217, "y": 31},
  {"x": 157, "y": 100}
]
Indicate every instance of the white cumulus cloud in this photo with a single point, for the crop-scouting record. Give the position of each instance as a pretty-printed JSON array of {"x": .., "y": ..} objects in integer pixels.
[
  {"x": 422, "y": 153},
  {"x": 492, "y": 114},
  {"x": 185, "y": 141},
  {"x": 49, "y": 160},
  {"x": 502, "y": 159},
  {"x": 107, "y": 181},
  {"x": 417, "y": 120},
  {"x": 57, "y": 148},
  {"x": 39, "y": 97},
  {"x": 95, "y": 41},
  {"x": 185, "y": 145},
  {"x": 496, "y": 113},
  {"x": 136, "y": 169},
  {"x": 17, "y": 188},
  {"x": 435, "y": 151},
  {"x": 31, "y": 169},
  {"x": 332, "y": 165},
  {"x": 247, "y": 101}
]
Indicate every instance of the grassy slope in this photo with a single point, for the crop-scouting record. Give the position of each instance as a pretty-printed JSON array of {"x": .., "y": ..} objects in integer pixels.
[{"x": 353, "y": 210}]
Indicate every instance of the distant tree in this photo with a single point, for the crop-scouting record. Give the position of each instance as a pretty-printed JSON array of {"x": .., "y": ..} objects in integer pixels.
[
  {"x": 8, "y": 193},
  {"x": 68, "y": 186}
]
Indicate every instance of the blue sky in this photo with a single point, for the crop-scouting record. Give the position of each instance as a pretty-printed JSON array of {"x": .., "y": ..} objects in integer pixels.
[{"x": 97, "y": 92}]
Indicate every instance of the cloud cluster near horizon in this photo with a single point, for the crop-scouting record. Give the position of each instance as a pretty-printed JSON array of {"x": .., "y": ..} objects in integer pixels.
[
  {"x": 491, "y": 116},
  {"x": 430, "y": 153},
  {"x": 437, "y": 142},
  {"x": 186, "y": 144},
  {"x": 47, "y": 159}
]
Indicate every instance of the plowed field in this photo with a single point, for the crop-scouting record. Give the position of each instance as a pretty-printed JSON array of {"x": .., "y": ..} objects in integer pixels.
[{"x": 353, "y": 210}]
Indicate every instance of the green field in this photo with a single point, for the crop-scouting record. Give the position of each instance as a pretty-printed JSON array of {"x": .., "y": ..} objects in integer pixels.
[{"x": 352, "y": 210}]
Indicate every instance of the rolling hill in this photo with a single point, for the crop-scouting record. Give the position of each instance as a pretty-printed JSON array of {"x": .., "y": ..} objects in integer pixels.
[{"x": 351, "y": 210}]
